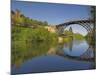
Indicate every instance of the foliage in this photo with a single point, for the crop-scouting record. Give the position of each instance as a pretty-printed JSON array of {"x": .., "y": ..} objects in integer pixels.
[
  {"x": 78, "y": 36},
  {"x": 92, "y": 39},
  {"x": 19, "y": 19},
  {"x": 29, "y": 34}
]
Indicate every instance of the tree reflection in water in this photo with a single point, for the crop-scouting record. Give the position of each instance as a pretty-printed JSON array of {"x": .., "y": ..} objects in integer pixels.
[{"x": 26, "y": 51}]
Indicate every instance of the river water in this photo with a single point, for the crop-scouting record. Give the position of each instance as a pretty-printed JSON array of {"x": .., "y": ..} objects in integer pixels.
[{"x": 73, "y": 55}]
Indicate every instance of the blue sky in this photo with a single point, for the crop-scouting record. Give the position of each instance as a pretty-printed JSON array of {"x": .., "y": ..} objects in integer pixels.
[{"x": 53, "y": 13}]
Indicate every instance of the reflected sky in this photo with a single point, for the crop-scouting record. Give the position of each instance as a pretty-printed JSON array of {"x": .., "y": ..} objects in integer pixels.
[
  {"x": 78, "y": 48},
  {"x": 55, "y": 58},
  {"x": 51, "y": 63}
]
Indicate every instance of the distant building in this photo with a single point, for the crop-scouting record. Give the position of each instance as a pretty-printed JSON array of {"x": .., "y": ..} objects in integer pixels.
[{"x": 51, "y": 28}]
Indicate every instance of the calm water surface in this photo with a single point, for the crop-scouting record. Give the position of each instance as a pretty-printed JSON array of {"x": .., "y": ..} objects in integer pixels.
[{"x": 74, "y": 55}]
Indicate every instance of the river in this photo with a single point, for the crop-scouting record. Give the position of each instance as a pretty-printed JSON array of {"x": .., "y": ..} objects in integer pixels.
[{"x": 44, "y": 57}]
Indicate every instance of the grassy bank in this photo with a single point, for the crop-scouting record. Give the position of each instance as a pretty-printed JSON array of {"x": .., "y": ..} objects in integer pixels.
[{"x": 29, "y": 34}]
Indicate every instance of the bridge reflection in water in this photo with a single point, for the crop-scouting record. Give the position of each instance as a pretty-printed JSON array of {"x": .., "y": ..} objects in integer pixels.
[
  {"x": 75, "y": 50},
  {"x": 73, "y": 55}
]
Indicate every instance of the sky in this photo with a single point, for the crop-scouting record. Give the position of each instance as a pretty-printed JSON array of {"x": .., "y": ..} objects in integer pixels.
[{"x": 53, "y": 13}]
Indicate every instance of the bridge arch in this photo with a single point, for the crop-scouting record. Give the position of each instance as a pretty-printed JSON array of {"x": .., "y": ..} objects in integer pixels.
[
  {"x": 84, "y": 23},
  {"x": 77, "y": 26}
]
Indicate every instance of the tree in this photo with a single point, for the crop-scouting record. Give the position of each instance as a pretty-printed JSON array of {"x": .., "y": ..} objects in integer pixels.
[
  {"x": 12, "y": 17},
  {"x": 70, "y": 29},
  {"x": 17, "y": 18},
  {"x": 45, "y": 23},
  {"x": 92, "y": 35}
]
